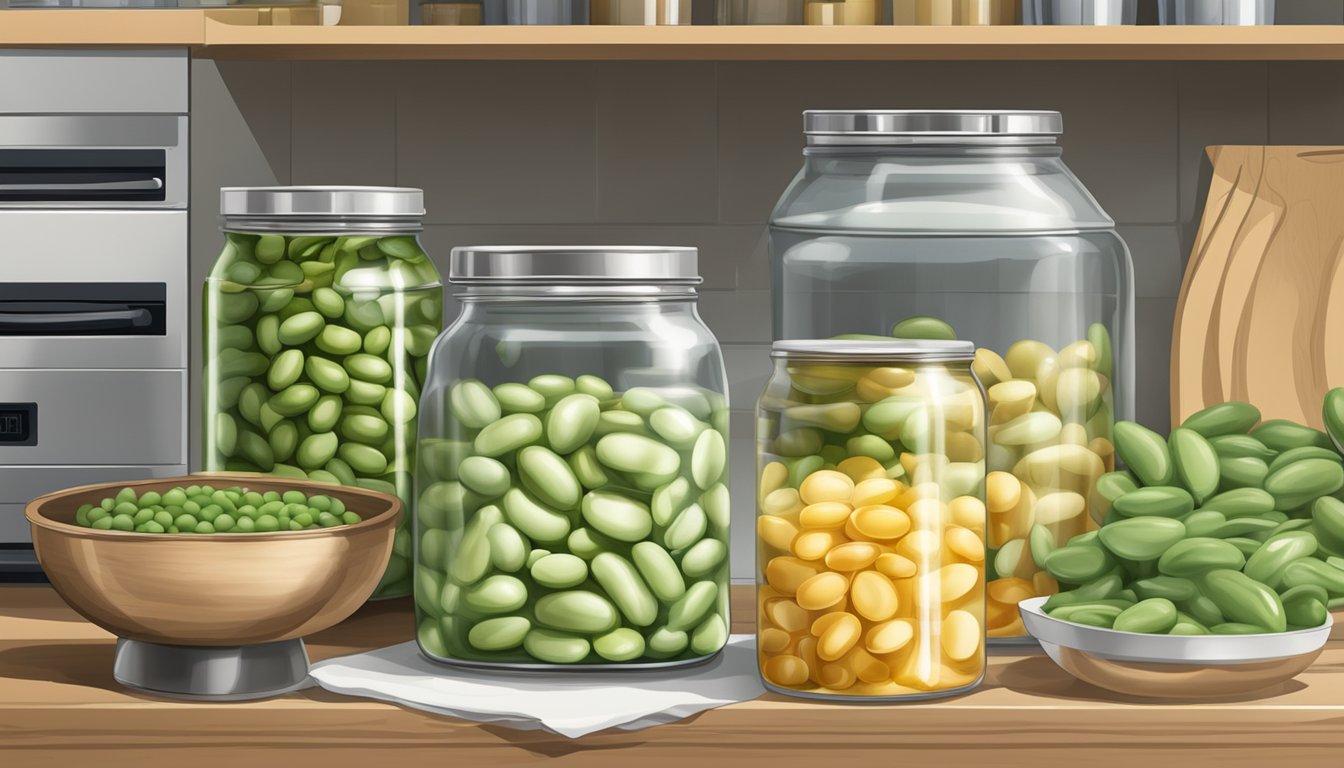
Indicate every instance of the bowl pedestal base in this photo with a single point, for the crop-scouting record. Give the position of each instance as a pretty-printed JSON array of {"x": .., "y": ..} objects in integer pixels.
[{"x": 235, "y": 673}]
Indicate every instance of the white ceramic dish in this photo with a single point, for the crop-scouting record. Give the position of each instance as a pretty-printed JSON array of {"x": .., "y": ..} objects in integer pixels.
[{"x": 1173, "y": 666}]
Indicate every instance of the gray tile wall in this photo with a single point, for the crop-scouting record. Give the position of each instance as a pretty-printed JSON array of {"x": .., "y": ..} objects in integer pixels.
[{"x": 697, "y": 153}]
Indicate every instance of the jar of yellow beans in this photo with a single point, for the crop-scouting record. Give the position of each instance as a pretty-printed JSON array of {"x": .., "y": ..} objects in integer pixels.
[{"x": 871, "y": 520}]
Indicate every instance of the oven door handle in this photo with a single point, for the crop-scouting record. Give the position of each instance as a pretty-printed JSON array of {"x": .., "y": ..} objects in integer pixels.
[
  {"x": 152, "y": 184},
  {"x": 48, "y": 322}
]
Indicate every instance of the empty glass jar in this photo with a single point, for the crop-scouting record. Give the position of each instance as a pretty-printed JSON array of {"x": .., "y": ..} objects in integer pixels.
[
  {"x": 870, "y": 537},
  {"x": 942, "y": 225},
  {"x": 572, "y": 504},
  {"x": 319, "y": 315}
]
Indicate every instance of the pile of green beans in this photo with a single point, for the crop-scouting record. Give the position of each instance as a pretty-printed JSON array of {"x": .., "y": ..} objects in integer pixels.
[
  {"x": 203, "y": 509},
  {"x": 1230, "y": 526},
  {"x": 316, "y": 353},
  {"x": 559, "y": 522}
]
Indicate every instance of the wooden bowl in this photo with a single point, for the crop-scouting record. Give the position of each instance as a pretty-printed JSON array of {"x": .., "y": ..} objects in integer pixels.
[{"x": 218, "y": 589}]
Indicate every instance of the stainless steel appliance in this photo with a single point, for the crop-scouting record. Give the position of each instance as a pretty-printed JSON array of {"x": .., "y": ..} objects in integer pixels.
[{"x": 93, "y": 281}]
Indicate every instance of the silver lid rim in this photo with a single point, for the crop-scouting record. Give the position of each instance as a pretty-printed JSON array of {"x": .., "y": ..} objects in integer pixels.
[
  {"x": 322, "y": 203},
  {"x": 574, "y": 265},
  {"x": 985, "y": 125},
  {"x": 865, "y": 350}
]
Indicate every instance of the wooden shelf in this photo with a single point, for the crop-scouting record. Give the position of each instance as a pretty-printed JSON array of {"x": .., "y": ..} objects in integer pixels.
[
  {"x": 60, "y": 706},
  {"x": 224, "y": 34}
]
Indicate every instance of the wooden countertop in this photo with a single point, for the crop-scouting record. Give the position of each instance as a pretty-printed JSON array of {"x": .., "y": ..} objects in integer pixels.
[
  {"x": 59, "y": 705},
  {"x": 229, "y": 33}
]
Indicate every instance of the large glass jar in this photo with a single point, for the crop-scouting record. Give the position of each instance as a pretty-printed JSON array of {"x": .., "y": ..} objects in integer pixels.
[
  {"x": 572, "y": 502},
  {"x": 968, "y": 224},
  {"x": 319, "y": 316},
  {"x": 870, "y": 534}
]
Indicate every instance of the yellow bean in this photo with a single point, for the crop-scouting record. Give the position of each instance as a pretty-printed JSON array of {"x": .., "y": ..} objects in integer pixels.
[
  {"x": 1058, "y": 507},
  {"x": 874, "y": 596},
  {"x": 825, "y": 620},
  {"x": 807, "y": 651},
  {"x": 1044, "y": 583},
  {"x": 773, "y": 477},
  {"x": 889, "y": 636},
  {"x": 786, "y": 670},
  {"x": 968, "y": 512},
  {"x": 867, "y": 668},
  {"x": 1046, "y": 376},
  {"x": 1077, "y": 391},
  {"x": 826, "y": 514},
  {"x": 826, "y": 485},
  {"x": 990, "y": 367},
  {"x": 878, "y": 490},
  {"x": 840, "y": 636},
  {"x": 860, "y": 468},
  {"x": 964, "y": 447},
  {"x": 1079, "y": 354},
  {"x": 1002, "y": 492},
  {"x": 881, "y": 522},
  {"x": 776, "y": 532},
  {"x": 1043, "y": 466},
  {"x": 786, "y": 615},
  {"x": 919, "y": 669},
  {"x": 1025, "y": 357},
  {"x": 1010, "y": 399},
  {"x": 774, "y": 640},
  {"x": 786, "y": 574},
  {"x": 892, "y": 377},
  {"x": 1010, "y": 590},
  {"x": 782, "y": 501},
  {"x": 927, "y": 515},
  {"x": 961, "y": 635},
  {"x": 895, "y": 566},
  {"x": 1012, "y": 629},
  {"x": 920, "y": 546},
  {"x": 964, "y": 543},
  {"x": 956, "y": 580},
  {"x": 822, "y": 591},
  {"x": 853, "y": 556},
  {"x": 813, "y": 545},
  {"x": 1073, "y": 433},
  {"x": 836, "y": 677}
]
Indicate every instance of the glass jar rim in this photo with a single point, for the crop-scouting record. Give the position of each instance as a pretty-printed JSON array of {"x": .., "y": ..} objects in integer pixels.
[
  {"x": 874, "y": 350},
  {"x": 579, "y": 265},
  {"x": 956, "y": 127},
  {"x": 311, "y": 209}
]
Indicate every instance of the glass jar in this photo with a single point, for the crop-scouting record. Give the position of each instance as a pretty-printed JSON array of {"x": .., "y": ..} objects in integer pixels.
[
  {"x": 1097, "y": 13},
  {"x": 640, "y": 13},
  {"x": 535, "y": 12},
  {"x": 319, "y": 316},
  {"x": 870, "y": 534},
  {"x": 968, "y": 224},
  {"x": 572, "y": 501},
  {"x": 954, "y": 12},
  {"x": 786, "y": 12},
  {"x": 839, "y": 13}
]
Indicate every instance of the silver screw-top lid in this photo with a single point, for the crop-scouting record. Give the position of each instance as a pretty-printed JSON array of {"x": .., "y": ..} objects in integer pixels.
[
  {"x": 872, "y": 350},
  {"x": 378, "y": 207},
  {"x": 840, "y": 127},
  {"x": 582, "y": 264}
]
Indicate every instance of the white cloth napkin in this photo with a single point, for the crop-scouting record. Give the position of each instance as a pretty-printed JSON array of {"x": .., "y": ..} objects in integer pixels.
[{"x": 570, "y": 703}]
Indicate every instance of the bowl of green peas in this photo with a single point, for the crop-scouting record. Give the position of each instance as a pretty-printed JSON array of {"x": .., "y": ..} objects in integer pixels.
[{"x": 215, "y": 559}]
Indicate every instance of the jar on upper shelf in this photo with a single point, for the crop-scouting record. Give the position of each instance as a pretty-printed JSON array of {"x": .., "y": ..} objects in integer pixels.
[{"x": 943, "y": 225}]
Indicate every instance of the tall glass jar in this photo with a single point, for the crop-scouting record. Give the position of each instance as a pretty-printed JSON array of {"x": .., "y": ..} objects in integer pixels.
[
  {"x": 870, "y": 534},
  {"x": 572, "y": 501},
  {"x": 942, "y": 225},
  {"x": 319, "y": 316}
]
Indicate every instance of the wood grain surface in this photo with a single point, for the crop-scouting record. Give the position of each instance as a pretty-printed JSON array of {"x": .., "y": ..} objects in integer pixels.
[
  {"x": 59, "y": 706},
  {"x": 1261, "y": 312}
]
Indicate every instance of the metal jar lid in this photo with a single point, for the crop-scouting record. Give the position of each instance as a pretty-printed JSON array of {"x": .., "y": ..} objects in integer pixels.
[
  {"x": 573, "y": 264},
  {"x": 874, "y": 350},
  {"x": 307, "y": 208},
  {"x": 857, "y": 127}
]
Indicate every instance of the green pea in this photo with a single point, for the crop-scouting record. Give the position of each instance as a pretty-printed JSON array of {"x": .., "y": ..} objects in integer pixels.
[
  {"x": 1283, "y": 435},
  {"x": 234, "y": 308},
  {"x": 364, "y": 427},
  {"x": 232, "y": 363},
  {"x": 1192, "y": 557},
  {"x": 284, "y": 438},
  {"x": 508, "y": 550},
  {"x": 798, "y": 442},
  {"x": 497, "y": 594},
  {"x": 1270, "y": 561},
  {"x": 533, "y": 518},
  {"x": 1077, "y": 564},
  {"x": 710, "y": 636},
  {"x": 368, "y": 368},
  {"x": 552, "y": 387},
  {"x": 637, "y": 454},
  {"x": 1327, "y": 514},
  {"x": 593, "y": 385},
  {"x": 616, "y": 516},
  {"x": 549, "y": 477},
  {"x": 364, "y": 459},
  {"x": 365, "y": 393},
  {"x": 660, "y": 572},
  {"x": 1301, "y": 482},
  {"x": 1142, "y": 538},
  {"x": 1230, "y": 418},
  {"x": 508, "y": 434},
  {"x": 485, "y": 476},
  {"x": 1196, "y": 463},
  {"x": 519, "y": 398},
  {"x": 587, "y": 468},
  {"x": 559, "y": 570},
  {"x": 329, "y": 303},
  {"x": 1241, "y": 501},
  {"x": 622, "y": 583},
  {"x": 703, "y": 558},
  {"x": 709, "y": 459},
  {"x": 615, "y": 422},
  {"x": 255, "y": 449},
  {"x": 924, "y": 327},
  {"x": 886, "y": 418},
  {"x": 335, "y": 339},
  {"x": 665, "y": 642},
  {"x": 1153, "y": 616},
  {"x": 1155, "y": 501},
  {"x": 1333, "y": 413},
  {"x": 572, "y": 422},
  {"x": 499, "y": 634},
  {"x": 301, "y": 328},
  {"x": 294, "y": 400},
  {"x": 588, "y": 543},
  {"x": 1312, "y": 571},
  {"x": 327, "y": 375},
  {"x": 398, "y": 407},
  {"x": 555, "y": 647},
  {"x": 622, "y": 644},
  {"x": 363, "y": 316},
  {"x": 316, "y": 450},
  {"x": 1166, "y": 587},
  {"x": 325, "y": 413},
  {"x": 669, "y": 500},
  {"x": 687, "y": 529},
  {"x": 717, "y": 504},
  {"x": 1244, "y": 600},
  {"x": 578, "y": 611},
  {"x": 1145, "y": 453},
  {"x": 871, "y": 446},
  {"x": 1306, "y": 605},
  {"x": 687, "y": 612}
]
